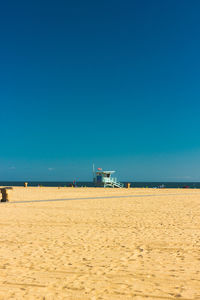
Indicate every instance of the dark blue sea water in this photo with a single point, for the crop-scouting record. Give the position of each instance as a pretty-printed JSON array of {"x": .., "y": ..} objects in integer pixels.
[{"x": 90, "y": 184}]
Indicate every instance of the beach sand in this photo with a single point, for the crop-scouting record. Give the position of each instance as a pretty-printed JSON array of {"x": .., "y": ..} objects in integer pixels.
[{"x": 144, "y": 245}]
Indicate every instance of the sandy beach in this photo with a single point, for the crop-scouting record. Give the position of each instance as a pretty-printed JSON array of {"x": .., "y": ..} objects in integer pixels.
[{"x": 100, "y": 244}]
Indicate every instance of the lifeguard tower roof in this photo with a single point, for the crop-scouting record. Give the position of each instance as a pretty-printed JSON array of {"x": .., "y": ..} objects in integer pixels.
[{"x": 106, "y": 172}]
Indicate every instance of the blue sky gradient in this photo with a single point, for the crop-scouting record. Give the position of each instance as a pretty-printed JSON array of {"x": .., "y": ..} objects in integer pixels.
[{"x": 116, "y": 83}]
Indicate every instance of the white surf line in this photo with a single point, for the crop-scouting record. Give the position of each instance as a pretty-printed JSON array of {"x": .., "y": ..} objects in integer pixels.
[{"x": 100, "y": 197}]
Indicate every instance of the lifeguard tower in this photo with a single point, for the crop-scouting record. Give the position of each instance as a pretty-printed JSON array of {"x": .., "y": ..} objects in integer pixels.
[{"x": 105, "y": 179}]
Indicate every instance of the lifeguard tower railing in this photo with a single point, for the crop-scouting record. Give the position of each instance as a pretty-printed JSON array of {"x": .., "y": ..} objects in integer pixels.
[{"x": 112, "y": 182}]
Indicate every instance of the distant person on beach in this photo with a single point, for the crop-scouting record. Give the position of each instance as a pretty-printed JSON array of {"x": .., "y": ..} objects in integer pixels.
[{"x": 73, "y": 184}]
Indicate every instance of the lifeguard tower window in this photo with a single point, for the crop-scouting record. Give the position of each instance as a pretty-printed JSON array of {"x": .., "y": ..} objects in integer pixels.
[
  {"x": 98, "y": 178},
  {"x": 108, "y": 175}
]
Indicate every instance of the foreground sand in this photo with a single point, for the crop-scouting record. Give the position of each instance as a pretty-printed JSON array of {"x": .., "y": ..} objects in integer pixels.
[{"x": 107, "y": 248}]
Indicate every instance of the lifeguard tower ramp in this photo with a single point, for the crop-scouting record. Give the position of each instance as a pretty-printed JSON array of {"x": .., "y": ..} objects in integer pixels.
[{"x": 105, "y": 179}]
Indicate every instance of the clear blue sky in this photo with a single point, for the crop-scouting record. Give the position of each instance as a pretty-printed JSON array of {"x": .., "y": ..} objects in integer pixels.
[{"x": 116, "y": 83}]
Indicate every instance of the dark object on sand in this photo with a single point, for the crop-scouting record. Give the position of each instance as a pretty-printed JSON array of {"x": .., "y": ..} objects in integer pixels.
[{"x": 5, "y": 193}]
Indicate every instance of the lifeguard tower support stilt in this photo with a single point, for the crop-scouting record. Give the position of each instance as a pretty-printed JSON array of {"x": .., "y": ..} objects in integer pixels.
[{"x": 105, "y": 179}]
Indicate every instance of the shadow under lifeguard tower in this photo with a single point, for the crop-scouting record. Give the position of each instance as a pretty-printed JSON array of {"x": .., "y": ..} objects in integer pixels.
[{"x": 105, "y": 179}]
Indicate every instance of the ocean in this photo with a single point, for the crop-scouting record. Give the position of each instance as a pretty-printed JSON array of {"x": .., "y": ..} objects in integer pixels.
[{"x": 91, "y": 184}]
